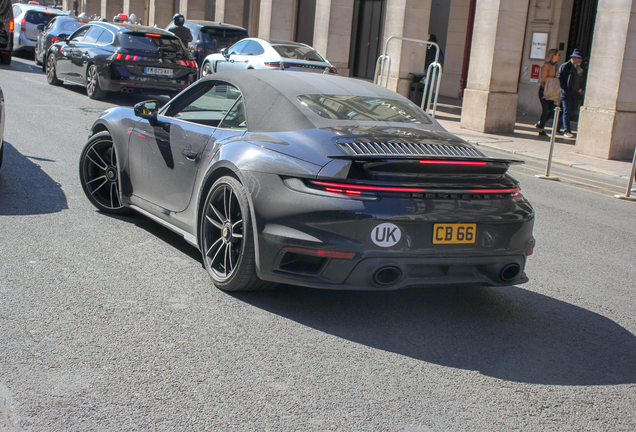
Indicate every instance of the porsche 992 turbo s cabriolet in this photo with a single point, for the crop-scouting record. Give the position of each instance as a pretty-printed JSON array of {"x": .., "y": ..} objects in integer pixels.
[{"x": 312, "y": 180}]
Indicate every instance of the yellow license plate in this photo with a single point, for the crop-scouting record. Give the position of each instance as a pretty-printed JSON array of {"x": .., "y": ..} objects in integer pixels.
[{"x": 454, "y": 233}]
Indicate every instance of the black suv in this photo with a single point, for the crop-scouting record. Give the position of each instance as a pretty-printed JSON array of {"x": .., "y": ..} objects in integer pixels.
[
  {"x": 6, "y": 31},
  {"x": 210, "y": 37},
  {"x": 108, "y": 57}
]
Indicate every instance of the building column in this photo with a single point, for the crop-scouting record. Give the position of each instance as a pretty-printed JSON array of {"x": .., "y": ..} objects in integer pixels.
[
  {"x": 110, "y": 8},
  {"x": 408, "y": 19},
  {"x": 160, "y": 12},
  {"x": 490, "y": 98},
  {"x": 332, "y": 32},
  {"x": 606, "y": 121},
  {"x": 91, "y": 7},
  {"x": 277, "y": 19},
  {"x": 193, "y": 9},
  {"x": 230, "y": 12},
  {"x": 137, "y": 7}
]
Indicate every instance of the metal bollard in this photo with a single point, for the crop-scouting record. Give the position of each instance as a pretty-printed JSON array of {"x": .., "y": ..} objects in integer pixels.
[
  {"x": 630, "y": 183},
  {"x": 557, "y": 111}
]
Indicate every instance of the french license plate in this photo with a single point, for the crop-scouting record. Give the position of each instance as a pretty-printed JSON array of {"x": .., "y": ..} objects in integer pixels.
[
  {"x": 158, "y": 71},
  {"x": 454, "y": 233}
]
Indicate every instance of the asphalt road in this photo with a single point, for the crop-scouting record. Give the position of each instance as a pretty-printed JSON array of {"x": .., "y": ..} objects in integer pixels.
[{"x": 112, "y": 324}]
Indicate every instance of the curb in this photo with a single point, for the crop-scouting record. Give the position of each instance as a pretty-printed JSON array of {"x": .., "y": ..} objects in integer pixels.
[{"x": 560, "y": 162}]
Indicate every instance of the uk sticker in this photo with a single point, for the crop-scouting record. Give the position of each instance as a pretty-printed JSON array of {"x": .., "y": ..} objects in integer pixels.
[{"x": 386, "y": 235}]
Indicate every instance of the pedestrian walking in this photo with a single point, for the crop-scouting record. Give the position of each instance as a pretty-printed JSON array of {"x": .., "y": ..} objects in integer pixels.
[
  {"x": 180, "y": 31},
  {"x": 549, "y": 91},
  {"x": 571, "y": 79}
]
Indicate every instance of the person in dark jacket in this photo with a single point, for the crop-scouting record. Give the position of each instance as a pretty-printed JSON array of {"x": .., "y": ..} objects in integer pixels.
[
  {"x": 180, "y": 31},
  {"x": 571, "y": 78}
]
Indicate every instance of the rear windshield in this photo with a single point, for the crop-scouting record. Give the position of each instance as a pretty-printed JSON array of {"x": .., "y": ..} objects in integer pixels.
[
  {"x": 363, "y": 108},
  {"x": 298, "y": 52},
  {"x": 36, "y": 17},
  {"x": 70, "y": 26},
  {"x": 222, "y": 37},
  {"x": 143, "y": 42}
]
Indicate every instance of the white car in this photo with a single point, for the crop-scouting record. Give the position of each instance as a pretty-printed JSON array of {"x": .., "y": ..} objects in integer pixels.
[
  {"x": 253, "y": 53},
  {"x": 26, "y": 18}
]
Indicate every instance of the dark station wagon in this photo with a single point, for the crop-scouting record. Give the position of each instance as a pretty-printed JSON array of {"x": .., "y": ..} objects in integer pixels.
[{"x": 107, "y": 57}]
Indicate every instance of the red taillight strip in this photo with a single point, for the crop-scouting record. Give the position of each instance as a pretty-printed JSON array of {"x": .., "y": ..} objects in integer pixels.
[
  {"x": 351, "y": 189},
  {"x": 441, "y": 162},
  {"x": 369, "y": 188},
  {"x": 152, "y": 35},
  {"x": 319, "y": 252}
]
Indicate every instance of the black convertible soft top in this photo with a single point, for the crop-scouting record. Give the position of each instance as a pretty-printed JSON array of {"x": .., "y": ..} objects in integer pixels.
[{"x": 271, "y": 98}]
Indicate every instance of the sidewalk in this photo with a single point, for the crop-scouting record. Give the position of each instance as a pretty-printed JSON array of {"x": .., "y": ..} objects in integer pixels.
[{"x": 525, "y": 140}]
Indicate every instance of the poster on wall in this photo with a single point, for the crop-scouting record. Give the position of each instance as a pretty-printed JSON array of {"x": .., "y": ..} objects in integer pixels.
[{"x": 539, "y": 46}]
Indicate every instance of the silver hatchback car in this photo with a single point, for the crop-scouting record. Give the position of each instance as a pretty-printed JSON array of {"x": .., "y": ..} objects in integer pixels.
[
  {"x": 26, "y": 18},
  {"x": 254, "y": 53}
]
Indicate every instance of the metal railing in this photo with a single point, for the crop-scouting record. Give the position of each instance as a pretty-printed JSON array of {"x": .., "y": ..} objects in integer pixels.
[{"x": 433, "y": 73}]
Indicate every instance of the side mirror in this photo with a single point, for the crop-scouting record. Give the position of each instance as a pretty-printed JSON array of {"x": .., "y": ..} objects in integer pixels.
[
  {"x": 224, "y": 52},
  {"x": 62, "y": 37},
  {"x": 147, "y": 110},
  {"x": 40, "y": 27}
]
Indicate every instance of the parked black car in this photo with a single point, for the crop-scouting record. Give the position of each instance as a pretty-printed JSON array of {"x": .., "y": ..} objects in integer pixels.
[
  {"x": 1, "y": 126},
  {"x": 108, "y": 57},
  {"x": 210, "y": 37},
  {"x": 6, "y": 31},
  {"x": 59, "y": 25}
]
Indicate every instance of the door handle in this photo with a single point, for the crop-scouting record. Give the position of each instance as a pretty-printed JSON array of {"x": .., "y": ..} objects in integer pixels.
[{"x": 190, "y": 154}]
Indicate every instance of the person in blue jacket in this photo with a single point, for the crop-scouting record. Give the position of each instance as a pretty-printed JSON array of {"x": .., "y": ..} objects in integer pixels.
[{"x": 572, "y": 80}]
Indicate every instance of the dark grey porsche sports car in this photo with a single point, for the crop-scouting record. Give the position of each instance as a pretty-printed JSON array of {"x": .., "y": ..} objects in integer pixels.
[{"x": 313, "y": 180}]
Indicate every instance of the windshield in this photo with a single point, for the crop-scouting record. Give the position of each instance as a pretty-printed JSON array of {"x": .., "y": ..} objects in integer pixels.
[
  {"x": 144, "y": 42},
  {"x": 222, "y": 37},
  {"x": 363, "y": 108},
  {"x": 36, "y": 17},
  {"x": 298, "y": 52}
]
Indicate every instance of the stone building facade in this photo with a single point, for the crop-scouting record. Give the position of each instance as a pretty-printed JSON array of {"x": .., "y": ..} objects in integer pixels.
[{"x": 493, "y": 67}]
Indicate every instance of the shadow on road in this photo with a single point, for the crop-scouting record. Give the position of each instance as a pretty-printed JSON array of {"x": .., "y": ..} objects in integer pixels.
[
  {"x": 25, "y": 189},
  {"x": 508, "y": 333}
]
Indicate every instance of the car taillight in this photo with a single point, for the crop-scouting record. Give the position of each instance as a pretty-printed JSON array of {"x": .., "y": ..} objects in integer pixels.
[
  {"x": 127, "y": 57},
  {"x": 11, "y": 25},
  {"x": 23, "y": 26},
  {"x": 189, "y": 63},
  {"x": 152, "y": 35},
  {"x": 54, "y": 39},
  {"x": 273, "y": 64},
  {"x": 333, "y": 70},
  {"x": 200, "y": 47}
]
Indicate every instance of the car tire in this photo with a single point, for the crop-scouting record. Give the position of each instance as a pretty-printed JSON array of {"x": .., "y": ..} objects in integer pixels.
[
  {"x": 227, "y": 238},
  {"x": 206, "y": 69},
  {"x": 51, "y": 74},
  {"x": 99, "y": 174},
  {"x": 5, "y": 59},
  {"x": 93, "y": 90}
]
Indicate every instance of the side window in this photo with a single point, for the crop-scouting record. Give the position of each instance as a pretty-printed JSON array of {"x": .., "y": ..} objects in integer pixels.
[
  {"x": 237, "y": 48},
  {"x": 253, "y": 48},
  {"x": 93, "y": 34},
  {"x": 235, "y": 117},
  {"x": 207, "y": 104},
  {"x": 79, "y": 35},
  {"x": 51, "y": 24},
  {"x": 106, "y": 38}
]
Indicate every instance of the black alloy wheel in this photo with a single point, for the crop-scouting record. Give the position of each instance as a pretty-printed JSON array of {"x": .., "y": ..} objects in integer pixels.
[
  {"x": 99, "y": 174},
  {"x": 93, "y": 90},
  {"x": 51, "y": 75},
  {"x": 227, "y": 241}
]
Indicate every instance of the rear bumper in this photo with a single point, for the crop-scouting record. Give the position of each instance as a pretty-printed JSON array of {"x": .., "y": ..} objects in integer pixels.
[
  {"x": 288, "y": 223},
  {"x": 115, "y": 82}
]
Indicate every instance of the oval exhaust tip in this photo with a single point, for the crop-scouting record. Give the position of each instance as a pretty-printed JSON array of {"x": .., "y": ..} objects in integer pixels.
[
  {"x": 510, "y": 272},
  {"x": 387, "y": 276}
]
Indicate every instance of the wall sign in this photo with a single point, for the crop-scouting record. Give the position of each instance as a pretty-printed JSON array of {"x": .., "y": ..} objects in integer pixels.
[
  {"x": 534, "y": 76},
  {"x": 539, "y": 46}
]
